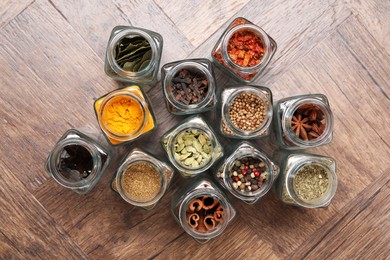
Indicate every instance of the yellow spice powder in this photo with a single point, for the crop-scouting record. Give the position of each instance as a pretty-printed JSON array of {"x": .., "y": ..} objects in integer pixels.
[
  {"x": 142, "y": 181},
  {"x": 123, "y": 115}
]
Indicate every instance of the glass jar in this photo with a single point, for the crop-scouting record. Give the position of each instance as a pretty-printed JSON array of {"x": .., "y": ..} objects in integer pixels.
[
  {"x": 146, "y": 73},
  {"x": 135, "y": 123},
  {"x": 77, "y": 161},
  {"x": 204, "y": 190},
  {"x": 137, "y": 156},
  {"x": 222, "y": 58},
  {"x": 287, "y": 118},
  {"x": 287, "y": 185},
  {"x": 187, "y": 135},
  {"x": 229, "y": 129},
  {"x": 201, "y": 68},
  {"x": 233, "y": 173}
]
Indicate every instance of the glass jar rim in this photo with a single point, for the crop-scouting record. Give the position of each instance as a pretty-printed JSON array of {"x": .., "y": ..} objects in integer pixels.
[
  {"x": 191, "y": 65},
  {"x": 287, "y": 118},
  {"x": 198, "y": 193},
  {"x": 255, "y": 29},
  {"x": 117, "y": 38},
  {"x": 319, "y": 202},
  {"x": 181, "y": 167},
  {"x": 230, "y": 99},
  {"x": 249, "y": 152},
  {"x": 106, "y": 101},
  {"x": 55, "y": 157},
  {"x": 131, "y": 200}
]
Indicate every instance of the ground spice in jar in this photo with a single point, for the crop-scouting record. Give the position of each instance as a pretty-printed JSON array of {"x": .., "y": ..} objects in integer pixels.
[
  {"x": 142, "y": 181},
  {"x": 123, "y": 115},
  {"x": 311, "y": 182},
  {"x": 133, "y": 53},
  {"x": 245, "y": 48},
  {"x": 192, "y": 148},
  {"x": 248, "y": 111},
  {"x": 248, "y": 174},
  {"x": 204, "y": 214},
  {"x": 189, "y": 86},
  {"x": 75, "y": 162},
  {"x": 308, "y": 122}
]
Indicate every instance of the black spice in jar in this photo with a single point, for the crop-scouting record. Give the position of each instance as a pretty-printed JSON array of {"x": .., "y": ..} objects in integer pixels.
[
  {"x": 311, "y": 182},
  {"x": 189, "y": 86},
  {"x": 75, "y": 162},
  {"x": 248, "y": 174},
  {"x": 133, "y": 53}
]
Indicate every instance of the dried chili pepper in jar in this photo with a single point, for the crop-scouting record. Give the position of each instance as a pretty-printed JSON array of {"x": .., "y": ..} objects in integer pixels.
[{"x": 244, "y": 50}]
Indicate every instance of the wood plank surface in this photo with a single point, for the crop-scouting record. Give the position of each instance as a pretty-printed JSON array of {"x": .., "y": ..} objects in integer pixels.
[
  {"x": 11, "y": 8},
  {"x": 26, "y": 229},
  {"x": 51, "y": 67}
]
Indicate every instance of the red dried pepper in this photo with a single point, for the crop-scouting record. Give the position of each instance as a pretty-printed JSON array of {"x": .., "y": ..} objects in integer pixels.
[{"x": 245, "y": 48}]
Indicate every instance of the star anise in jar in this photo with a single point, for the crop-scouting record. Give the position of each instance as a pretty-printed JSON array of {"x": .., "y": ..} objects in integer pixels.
[{"x": 308, "y": 122}]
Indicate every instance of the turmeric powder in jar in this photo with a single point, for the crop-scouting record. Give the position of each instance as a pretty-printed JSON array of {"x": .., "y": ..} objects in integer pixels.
[{"x": 124, "y": 115}]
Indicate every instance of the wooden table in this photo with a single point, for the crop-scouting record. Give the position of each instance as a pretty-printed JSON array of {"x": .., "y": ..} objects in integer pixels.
[{"x": 51, "y": 64}]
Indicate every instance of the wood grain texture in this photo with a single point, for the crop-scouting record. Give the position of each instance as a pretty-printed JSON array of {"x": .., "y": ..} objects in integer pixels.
[
  {"x": 210, "y": 16},
  {"x": 360, "y": 230},
  {"x": 26, "y": 228},
  {"x": 11, "y": 8},
  {"x": 374, "y": 15},
  {"x": 51, "y": 64},
  {"x": 146, "y": 14}
]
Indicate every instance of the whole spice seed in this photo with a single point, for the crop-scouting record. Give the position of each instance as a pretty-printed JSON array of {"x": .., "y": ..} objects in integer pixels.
[
  {"x": 192, "y": 148},
  {"x": 204, "y": 214},
  {"x": 142, "y": 181},
  {"x": 75, "y": 162},
  {"x": 123, "y": 115},
  {"x": 133, "y": 53},
  {"x": 308, "y": 122},
  {"x": 245, "y": 48},
  {"x": 189, "y": 86},
  {"x": 248, "y": 174},
  {"x": 248, "y": 111},
  {"x": 311, "y": 182}
]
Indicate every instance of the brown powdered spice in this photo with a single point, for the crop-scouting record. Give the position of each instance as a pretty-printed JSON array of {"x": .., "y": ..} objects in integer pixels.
[
  {"x": 142, "y": 181},
  {"x": 311, "y": 182}
]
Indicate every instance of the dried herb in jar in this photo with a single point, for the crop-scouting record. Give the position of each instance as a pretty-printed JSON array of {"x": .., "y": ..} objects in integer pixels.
[
  {"x": 204, "y": 214},
  {"x": 245, "y": 48},
  {"x": 75, "y": 162},
  {"x": 189, "y": 86},
  {"x": 133, "y": 53},
  {"x": 142, "y": 181},
  {"x": 311, "y": 182},
  {"x": 308, "y": 122},
  {"x": 192, "y": 148},
  {"x": 248, "y": 174}
]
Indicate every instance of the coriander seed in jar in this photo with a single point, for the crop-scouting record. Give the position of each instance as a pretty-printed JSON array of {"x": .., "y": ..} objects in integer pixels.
[{"x": 246, "y": 112}]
